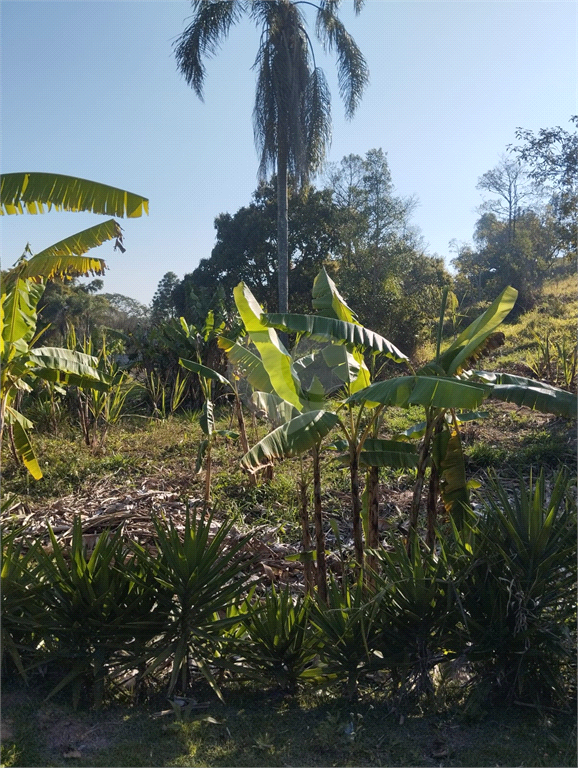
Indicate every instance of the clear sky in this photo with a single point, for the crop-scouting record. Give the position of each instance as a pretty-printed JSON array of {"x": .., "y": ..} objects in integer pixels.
[{"x": 91, "y": 89}]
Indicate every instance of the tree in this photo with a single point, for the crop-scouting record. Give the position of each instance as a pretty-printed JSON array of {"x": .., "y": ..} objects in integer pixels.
[
  {"x": 163, "y": 303},
  {"x": 291, "y": 117},
  {"x": 551, "y": 156},
  {"x": 509, "y": 182},
  {"x": 246, "y": 245}
]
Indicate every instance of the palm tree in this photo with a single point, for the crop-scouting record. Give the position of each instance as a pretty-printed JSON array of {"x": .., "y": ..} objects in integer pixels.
[{"x": 292, "y": 114}]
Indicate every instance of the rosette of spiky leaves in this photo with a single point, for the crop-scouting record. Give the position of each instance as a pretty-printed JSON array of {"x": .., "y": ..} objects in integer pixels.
[
  {"x": 278, "y": 645},
  {"x": 200, "y": 572},
  {"x": 415, "y": 609},
  {"x": 23, "y": 614},
  {"x": 101, "y": 609},
  {"x": 517, "y": 582},
  {"x": 350, "y": 633}
]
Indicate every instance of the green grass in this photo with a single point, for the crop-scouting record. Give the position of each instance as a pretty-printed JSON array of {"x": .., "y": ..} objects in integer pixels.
[{"x": 259, "y": 728}]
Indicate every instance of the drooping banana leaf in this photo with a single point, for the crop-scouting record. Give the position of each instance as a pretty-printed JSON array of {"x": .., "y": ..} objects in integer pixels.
[
  {"x": 448, "y": 454},
  {"x": 66, "y": 256},
  {"x": 531, "y": 393},
  {"x": 276, "y": 360},
  {"x": 250, "y": 365},
  {"x": 447, "y": 393},
  {"x": 388, "y": 453},
  {"x": 338, "y": 331},
  {"x": 203, "y": 370},
  {"x": 30, "y": 192},
  {"x": 291, "y": 439},
  {"x": 278, "y": 411},
  {"x": 207, "y": 420},
  {"x": 22, "y": 443},
  {"x": 66, "y": 366},
  {"x": 391, "y": 392},
  {"x": 470, "y": 342}
]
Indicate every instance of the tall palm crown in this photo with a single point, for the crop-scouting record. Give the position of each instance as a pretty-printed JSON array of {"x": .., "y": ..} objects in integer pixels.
[{"x": 292, "y": 114}]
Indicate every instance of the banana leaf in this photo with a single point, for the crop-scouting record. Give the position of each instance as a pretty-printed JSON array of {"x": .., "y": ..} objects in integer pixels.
[
  {"x": 278, "y": 411},
  {"x": 328, "y": 302},
  {"x": 66, "y": 256},
  {"x": 202, "y": 370},
  {"x": 276, "y": 360},
  {"x": 19, "y": 312},
  {"x": 531, "y": 393},
  {"x": 23, "y": 445},
  {"x": 67, "y": 366},
  {"x": 291, "y": 439},
  {"x": 330, "y": 329},
  {"x": 250, "y": 365},
  {"x": 388, "y": 453},
  {"x": 470, "y": 342},
  {"x": 33, "y": 191}
]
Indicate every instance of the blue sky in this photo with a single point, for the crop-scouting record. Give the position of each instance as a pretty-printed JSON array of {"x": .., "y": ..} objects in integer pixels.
[{"x": 91, "y": 89}]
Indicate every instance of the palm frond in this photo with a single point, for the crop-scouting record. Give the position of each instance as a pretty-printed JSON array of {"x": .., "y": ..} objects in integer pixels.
[
  {"x": 352, "y": 70},
  {"x": 30, "y": 192},
  {"x": 212, "y": 20}
]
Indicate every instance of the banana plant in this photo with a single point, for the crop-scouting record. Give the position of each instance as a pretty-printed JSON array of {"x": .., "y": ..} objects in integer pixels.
[
  {"x": 344, "y": 357},
  {"x": 450, "y": 393},
  {"x": 24, "y": 284}
]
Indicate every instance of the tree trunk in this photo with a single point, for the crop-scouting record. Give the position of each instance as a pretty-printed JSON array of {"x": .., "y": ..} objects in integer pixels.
[
  {"x": 306, "y": 534},
  {"x": 319, "y": 534},
  {"x": 356, "y": 505},
  {"x": 373, "y": 513},
  {"x": 282, "y": 229}
]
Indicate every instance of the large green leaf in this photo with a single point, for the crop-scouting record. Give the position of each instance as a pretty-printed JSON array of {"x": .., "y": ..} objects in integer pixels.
[
  {"x": 19, "y": 312},
  {"x": 278, "y": 410},
  {"x": 66, "y": 257},
  {"x": 33, "y": 191},
  {"x": 327, "y": 300},
  {"x": 250, "y": 365},
  {"x": 447, "y": 393},
  {"x": 471, "y": 340},
  {"x": 23, "y": 445},
  {"x": 423, "y": 390},
  {"x": 530, "y": 393},
  {"x": 67, "y": 366},
  {"x": 388, "y": 453},
  {"x": 276, "y": 359},
  {"x": 291, "y": 439},
  {"x": 339, "y": 331},
  {"x": 453, "y": 481},
  {"x": 347, "y": 366},
  {"x": 202, "y": 370}
]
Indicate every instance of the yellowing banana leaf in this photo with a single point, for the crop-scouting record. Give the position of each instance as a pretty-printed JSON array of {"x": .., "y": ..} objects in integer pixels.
[
  {"x": 453, "y": 482},
  {"x": 19, "y": 311},
  {"x": 250, "y": 365},
  {"x": 22, "y": 443},
  {"x": 338, "y": 331},
  {"x": 327, "y": 300},
  {"x": 65, "y": 257},
  {"x": 291, "y": 439},
  {"x": 471, "y": 340},
  {"x": 388, "y": 453},
  {"x": 530, "y": 393},
  {"x": 66, "y": 366},
  {"x": 276, "y": 360},
  {"x": 30, "y": 192},
  {"x": 202, "y": 370}
]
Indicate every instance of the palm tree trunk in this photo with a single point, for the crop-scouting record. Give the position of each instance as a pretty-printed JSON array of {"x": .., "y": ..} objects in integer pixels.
[{"x": 282, "y": 228}]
